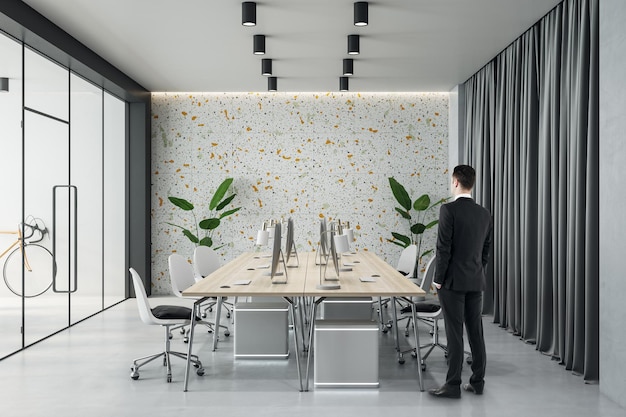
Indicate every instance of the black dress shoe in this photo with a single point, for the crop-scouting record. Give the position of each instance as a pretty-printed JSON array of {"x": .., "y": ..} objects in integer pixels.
[
  {"x": 446, "y": 391},
  {"x": 478, "y": 390}
]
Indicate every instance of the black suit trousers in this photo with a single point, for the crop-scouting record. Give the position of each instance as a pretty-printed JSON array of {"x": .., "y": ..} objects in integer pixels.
[{"x": 464, "y": 307}]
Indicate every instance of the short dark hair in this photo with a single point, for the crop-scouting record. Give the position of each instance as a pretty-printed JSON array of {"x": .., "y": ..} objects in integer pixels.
[{"x": 465, "y": 175}]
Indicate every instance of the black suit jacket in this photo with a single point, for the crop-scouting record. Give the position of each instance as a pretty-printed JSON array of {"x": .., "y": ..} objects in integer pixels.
[{"x": 463, "y": 245}]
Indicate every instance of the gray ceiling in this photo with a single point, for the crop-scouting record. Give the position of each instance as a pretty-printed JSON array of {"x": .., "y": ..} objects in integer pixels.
[{"x": 201, "y": 46}]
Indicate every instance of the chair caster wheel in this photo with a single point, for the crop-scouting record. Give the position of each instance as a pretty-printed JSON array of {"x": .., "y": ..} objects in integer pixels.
[
  {"x": 401, "y": 359},
  {"x": 203, "y": 315},
  {"x": 469, "y": 360},
  {"x": 186, "y": 339},
  {"x": 406, "y": 334},
  {"x": 389, "y": 325},
  {"x": 134, "y": 374},
  {"x": 385, "y": 330},
  {"x": 210, "y": 309},
  {"x": 169, "y": 336},
  {"x": 226, "y": 333},
  {"x": 200, "y": 371},
  {"x": 413, "y": 354},
  {"x": 423, "y": 367},
  {"x": 182, "y": 330},
  {"x": 227, "y": 315},
  {"x": 169, "y": 378}
]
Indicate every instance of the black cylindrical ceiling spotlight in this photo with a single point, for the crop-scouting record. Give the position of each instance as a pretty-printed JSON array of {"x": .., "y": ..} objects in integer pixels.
[
  {"x": 348, "y": 66},
  {"x": 272, "y": 84},
  {"x": 4, "y": 85},
  {"x": 266, "y": 66},
  {"x": 248, "y": 13},
  {"x": 343, "y": 83},
  {"x": 259, "y": 44},
  {"x": 360, "y": 13},
  {"x": 353, "y": 44}
]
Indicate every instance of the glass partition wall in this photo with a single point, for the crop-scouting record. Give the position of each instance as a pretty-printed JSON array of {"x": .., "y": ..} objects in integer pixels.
[{"x": 62, "y": 212}]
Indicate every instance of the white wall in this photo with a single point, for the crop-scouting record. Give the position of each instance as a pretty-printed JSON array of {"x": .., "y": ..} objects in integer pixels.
[
  {"x": 302, "y": 155},
  {"x": 612, "y": 199}
]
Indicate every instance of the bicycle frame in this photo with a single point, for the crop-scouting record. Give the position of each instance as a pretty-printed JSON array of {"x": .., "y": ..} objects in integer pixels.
[{"x": 19, "y": 242}]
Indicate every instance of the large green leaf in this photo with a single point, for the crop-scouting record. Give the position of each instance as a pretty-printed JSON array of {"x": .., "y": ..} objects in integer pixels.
[
  {"x": 403, "y": 213},
  {"x": 209, "y": 224},
  {"x": 402, "y": 238},
  {"x": 229, "y": 212},
  {"x": 225, "y": 202},
  {"x": 418, "y": 229},
  {"x": 432, "y": 224},
  {"x": 176, "y": 225},
  {"x": 422, "y": 203},
  {"x": 190, "y": 235},
  {"x": 443, "y": 200},
  {"x": 395, "y": 242},
  {"x": 399, "y": 192},
  {"x": 181, "y": 203},
  {"x": 207, "y": 241},
  {"x": 220, "y": 193}
]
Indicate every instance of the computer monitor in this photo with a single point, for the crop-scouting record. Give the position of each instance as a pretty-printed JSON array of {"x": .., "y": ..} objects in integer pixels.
[
  {"x": 277, "y": 256},
  {"x": 327, "y": 238},
  {"x": 334, "y": 257},
  {"x": 290, "y": 246}
]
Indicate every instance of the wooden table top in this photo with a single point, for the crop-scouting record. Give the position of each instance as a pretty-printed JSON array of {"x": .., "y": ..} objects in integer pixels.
[{"x": 304, "y": 279}]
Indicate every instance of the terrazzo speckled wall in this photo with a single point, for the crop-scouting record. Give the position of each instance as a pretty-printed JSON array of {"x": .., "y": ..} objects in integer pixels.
[{"x": 301, "y": 155}]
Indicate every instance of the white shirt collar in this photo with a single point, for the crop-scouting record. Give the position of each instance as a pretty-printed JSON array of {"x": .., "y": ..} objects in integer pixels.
[{"x": 462, "y": 196}]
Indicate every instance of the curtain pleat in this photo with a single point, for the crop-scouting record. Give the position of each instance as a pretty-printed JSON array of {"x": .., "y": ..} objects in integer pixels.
[{"x": 532, "y": 133}]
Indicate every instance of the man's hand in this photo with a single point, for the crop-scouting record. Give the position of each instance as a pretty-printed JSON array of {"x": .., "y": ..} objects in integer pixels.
[{"x": 438, "y": 286}]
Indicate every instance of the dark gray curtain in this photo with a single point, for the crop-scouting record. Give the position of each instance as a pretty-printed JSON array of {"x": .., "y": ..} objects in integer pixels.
[{"x": 531, "y": 131}]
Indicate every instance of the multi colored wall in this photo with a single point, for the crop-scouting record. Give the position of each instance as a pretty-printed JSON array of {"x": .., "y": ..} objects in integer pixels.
[{"x": 304, "y": 156}]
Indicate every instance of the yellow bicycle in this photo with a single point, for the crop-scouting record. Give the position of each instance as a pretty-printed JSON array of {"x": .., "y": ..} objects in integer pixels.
[{"x": 35, "y": 260}]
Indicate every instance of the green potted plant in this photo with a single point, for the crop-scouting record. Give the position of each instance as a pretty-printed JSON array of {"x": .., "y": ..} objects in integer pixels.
[
  {"x": 415, "y": 213},
  {"x": 219, "y": 201}
]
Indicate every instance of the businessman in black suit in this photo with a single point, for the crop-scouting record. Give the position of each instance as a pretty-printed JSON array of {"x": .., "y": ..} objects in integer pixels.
[{"x": 463, "y": 245}]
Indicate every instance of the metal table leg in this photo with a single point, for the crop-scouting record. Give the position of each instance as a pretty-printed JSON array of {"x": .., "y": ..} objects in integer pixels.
[
  {"x": 196, "y": 308},
  {"x": 311, "y": 330},
  {"x": 216, "y": 331},
  {"x": 295, "y": 338},
  {"x": 417, "y": 347}
]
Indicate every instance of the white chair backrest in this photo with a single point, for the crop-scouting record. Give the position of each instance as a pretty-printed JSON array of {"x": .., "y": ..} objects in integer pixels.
[
  {"x": 145, "y": 311},
  {"x": 181, "y": 274},
  {"x": 407, "y": 261},
  {"x": 429, "y": 275},
  {"x": 205, "y": 261}
]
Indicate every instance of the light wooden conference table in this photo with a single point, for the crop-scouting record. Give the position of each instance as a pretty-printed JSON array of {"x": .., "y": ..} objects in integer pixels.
[{"x": 247, "y": 276}]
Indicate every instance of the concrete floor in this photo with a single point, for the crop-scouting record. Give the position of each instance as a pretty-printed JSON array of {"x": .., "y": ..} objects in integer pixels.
[{"x": 85, "y": 371}]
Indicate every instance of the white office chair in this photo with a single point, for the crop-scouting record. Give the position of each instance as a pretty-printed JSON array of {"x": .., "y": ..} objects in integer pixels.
[
  {"x": 408, "y": 261},
  {"x": 166, "y": 316},
  {"x": 182, "y": 277},
  {"x": 205, "y": 262},
  {"x": 406, "y": 266}
]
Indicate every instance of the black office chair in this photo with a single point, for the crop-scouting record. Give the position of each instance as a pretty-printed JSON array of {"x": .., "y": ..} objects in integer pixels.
[
  {"x": 428, "y": 310},
  {"x": 166, "y": 316}
]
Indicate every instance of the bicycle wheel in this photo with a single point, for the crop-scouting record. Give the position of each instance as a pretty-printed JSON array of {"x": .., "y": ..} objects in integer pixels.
[{"x": 42, "y": 270}]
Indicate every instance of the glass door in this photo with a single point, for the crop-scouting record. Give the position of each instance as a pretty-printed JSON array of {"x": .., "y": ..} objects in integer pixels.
[
  {"x": 11, "y": 187},
  {"x": 49, "y": 201},
  {"x": 86, "y": 176},
  {"x": 63, "y": 213}
]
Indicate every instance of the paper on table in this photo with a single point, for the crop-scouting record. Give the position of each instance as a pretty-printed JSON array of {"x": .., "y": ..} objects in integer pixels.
[
  {"x": 367, "y": 279},
  {"x": 242, "y": 282}
]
